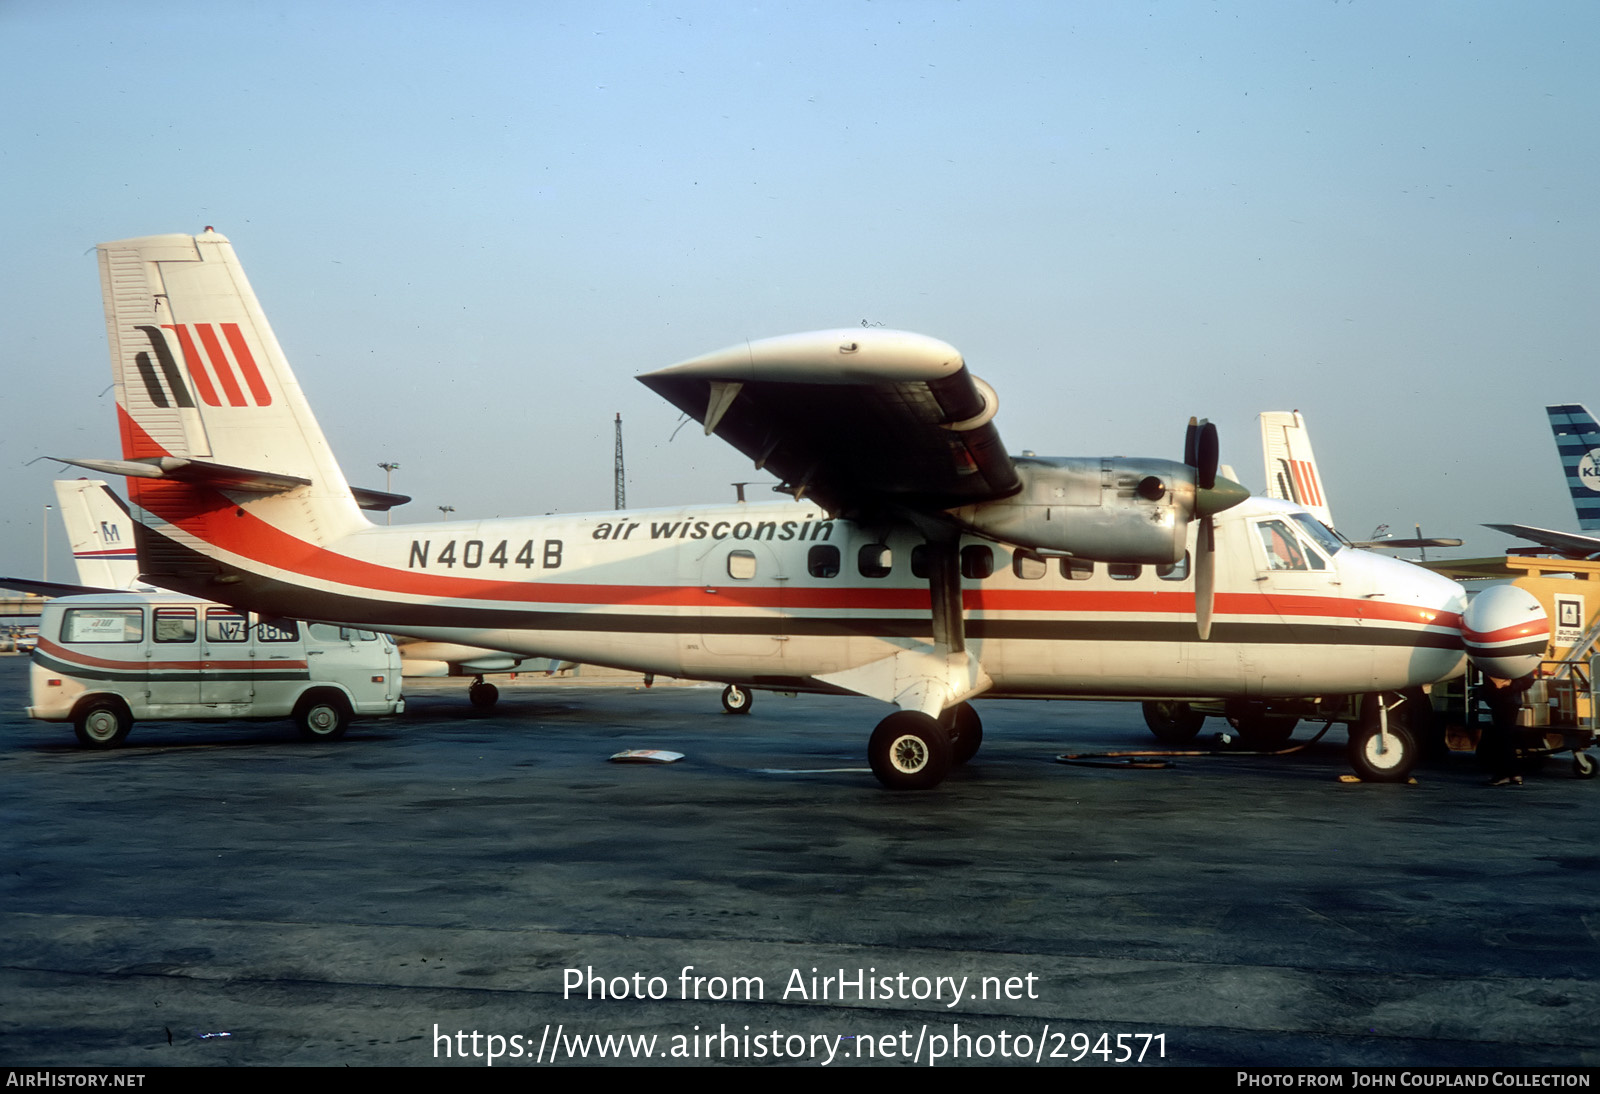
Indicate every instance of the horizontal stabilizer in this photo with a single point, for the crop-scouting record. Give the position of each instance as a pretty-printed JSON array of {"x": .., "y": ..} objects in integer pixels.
[
  {"x": 50, "y": 588},
  {"x": 224, "y": 477},
  {"x": 197, "y": 471},
  {"x": 379, "y": 501}
]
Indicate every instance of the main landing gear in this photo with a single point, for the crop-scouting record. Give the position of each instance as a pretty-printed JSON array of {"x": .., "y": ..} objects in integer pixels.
[
  {"x": 482, "y": 695},
  {"x": 913, "y": 751}
]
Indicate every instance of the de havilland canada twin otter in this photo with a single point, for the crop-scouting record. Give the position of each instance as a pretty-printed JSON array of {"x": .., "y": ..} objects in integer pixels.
[{"x": 913, "y": 560}]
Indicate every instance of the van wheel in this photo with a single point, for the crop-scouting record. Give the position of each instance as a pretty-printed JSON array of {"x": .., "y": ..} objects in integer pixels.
[
  {"x": 322, "y": 719},
  {"x": 103, "y": 724}
]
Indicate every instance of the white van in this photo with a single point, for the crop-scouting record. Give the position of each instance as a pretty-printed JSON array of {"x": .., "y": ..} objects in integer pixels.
[{"x": 107, "y": 660}]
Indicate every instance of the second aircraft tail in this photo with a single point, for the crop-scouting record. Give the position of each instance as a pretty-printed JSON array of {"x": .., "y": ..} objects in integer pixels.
[{"x": 1578, "y": 441}]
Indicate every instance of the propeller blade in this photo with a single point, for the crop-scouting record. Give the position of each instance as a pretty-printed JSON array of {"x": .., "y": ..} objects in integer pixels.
[
  {"x": 1201, "y": 451},
  {"x": 1209, "y": 453},
  {"x": 1204, "y": 577}
]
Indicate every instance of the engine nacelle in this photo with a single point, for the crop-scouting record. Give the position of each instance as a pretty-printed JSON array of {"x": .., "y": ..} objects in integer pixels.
[
  {"x": 1108, "y": 510},
  {"x": 1506, "y": 631}
]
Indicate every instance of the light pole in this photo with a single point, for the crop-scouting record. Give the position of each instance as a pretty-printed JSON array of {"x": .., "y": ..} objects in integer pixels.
[
  {"x": 45, "y": 553},
  {"x": 447, "y": 510},
  {"x": 389, "y": 468}
]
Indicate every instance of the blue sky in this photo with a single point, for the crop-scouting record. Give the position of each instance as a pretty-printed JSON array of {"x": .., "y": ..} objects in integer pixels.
[{"x": 473, "y": 224}]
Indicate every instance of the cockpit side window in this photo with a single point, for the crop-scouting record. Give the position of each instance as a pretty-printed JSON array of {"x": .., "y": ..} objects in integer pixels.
[{"x": 1282, "y": 548}]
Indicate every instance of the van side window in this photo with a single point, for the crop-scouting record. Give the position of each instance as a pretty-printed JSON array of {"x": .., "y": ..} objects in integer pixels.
[
  {"x": 103, "y": 625},
  {"x": 226, "y": 625},
  {"x": 324, "y": 632},
  {"x": 277, "y": 630},
  {"x": 823, "y": 560},
  {"x": 176, "y": 625}
]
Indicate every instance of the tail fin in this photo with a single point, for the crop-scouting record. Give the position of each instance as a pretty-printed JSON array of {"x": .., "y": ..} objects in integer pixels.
[
  {"x": 101, "y": 534},
  {"x": 1291, "y": 467},
  {"x": 1578, "y": 441},
  {"x": 213, "y": 422}
]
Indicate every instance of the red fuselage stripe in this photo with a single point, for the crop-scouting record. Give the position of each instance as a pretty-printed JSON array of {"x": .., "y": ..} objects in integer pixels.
[{"x": 211, "y": 517}]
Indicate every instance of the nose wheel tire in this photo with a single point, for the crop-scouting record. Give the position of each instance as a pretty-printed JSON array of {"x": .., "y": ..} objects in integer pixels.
[
  {"x": 909, "y": 751},
  {"x": 737, "y": 700},
  {"x": 1383, "y": 757}
]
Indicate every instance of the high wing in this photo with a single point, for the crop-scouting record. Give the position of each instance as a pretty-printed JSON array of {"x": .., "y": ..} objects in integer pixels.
[
  {"x": 880, "y": 423},
  {"x": 852, "y": 419},
  {"x": 1568, "y": 544}
]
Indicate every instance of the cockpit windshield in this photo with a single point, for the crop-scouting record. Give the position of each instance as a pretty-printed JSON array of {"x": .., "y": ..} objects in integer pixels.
[{"x": 1318, "y": 533}]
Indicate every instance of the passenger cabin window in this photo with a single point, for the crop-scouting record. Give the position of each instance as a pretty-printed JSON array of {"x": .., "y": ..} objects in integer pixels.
[
  {"x": 875, "y": 560},
  {"x": 741, "y": 565},
  {"x": 92, "y": 625},
  {"x": 977, "y": 562},
  {"x": 1174, "y": 571},
  {"x": 1124, "y": 571},
  {"x": 1076, "y": 569},
  {"x": 226, "y": 625},
  {"x": 919, "y": 561},
  {"x": 1028, "y": 566},
  {"x": 823, "y": 560},
  {"x": 176, "y": 625}
]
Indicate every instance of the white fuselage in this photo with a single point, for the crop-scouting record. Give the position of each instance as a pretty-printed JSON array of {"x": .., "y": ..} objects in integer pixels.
[{"x": 779, "y": 595}]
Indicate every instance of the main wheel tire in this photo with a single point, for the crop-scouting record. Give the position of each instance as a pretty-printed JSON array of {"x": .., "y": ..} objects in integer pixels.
[
  {"x": 1375, "y": 758},
  {"x": 1583, "y": 765},
  {"x": 966, "y": 732},
  {"x": 1173, "y": 722},
  {"x": 909, "y": 750},
  {"x": 1262, "y": 730},
  {"x": 322, "y": 718},
  {"x": 737, "y": 700},
  {"x": 483, "y": 695},
  {"x": 102, "y": 724}
]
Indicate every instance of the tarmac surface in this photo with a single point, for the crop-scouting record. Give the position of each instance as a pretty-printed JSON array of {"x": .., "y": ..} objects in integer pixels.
[{"x": 224, "y": 894}]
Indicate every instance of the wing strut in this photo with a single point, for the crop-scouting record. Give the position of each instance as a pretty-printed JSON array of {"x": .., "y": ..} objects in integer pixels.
[{"x": 944, "y": 588}]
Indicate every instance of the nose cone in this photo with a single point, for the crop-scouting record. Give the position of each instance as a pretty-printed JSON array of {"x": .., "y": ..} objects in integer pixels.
[
  {"x": 1224, "y": 495},
  {"x": 1506, "y": 631}
]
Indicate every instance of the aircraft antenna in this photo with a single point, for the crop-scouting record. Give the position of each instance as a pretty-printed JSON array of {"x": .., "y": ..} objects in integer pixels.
[{"x": 621, "y": 489}]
